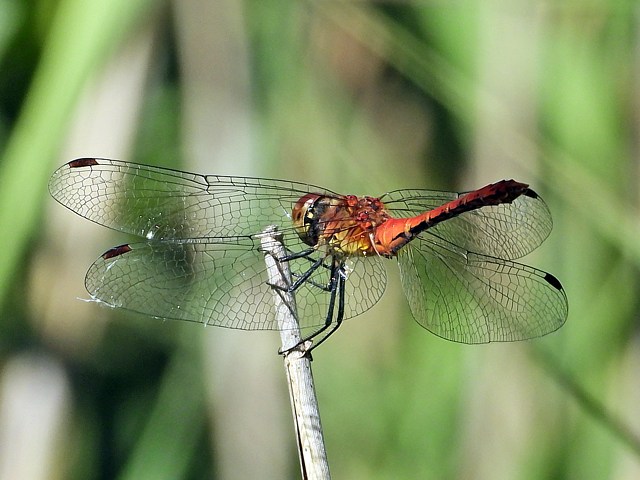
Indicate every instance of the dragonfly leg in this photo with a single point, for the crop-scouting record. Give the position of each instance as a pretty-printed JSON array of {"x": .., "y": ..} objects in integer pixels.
[
  {"x": 301, "y": 254},
  {"x": 336, "y": 288},
  {"x": 329, "y": 320},
  {"x": 305, "y": 275},
  {"x": 300, "y": 278},
  {"x": 324, "y": 288}
]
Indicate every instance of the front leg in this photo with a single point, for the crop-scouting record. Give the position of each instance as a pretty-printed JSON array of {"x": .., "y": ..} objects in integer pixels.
[{"x": 336, "y": 289}]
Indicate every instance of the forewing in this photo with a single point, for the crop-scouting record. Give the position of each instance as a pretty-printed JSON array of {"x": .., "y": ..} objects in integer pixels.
[
  {"x": 471, "y": 298},
  {"x": 160, "y": 203},
  {"x": 509, "y": 231},
  {"x": 219, "y": 282}
]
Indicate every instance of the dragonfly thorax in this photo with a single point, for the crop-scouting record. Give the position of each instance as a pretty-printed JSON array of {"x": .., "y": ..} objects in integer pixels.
[{"x": 344, "y": 224}]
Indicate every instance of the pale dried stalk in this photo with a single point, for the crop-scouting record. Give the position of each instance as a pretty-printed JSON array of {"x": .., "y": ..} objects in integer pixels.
[{"x": 306, "y": 417}]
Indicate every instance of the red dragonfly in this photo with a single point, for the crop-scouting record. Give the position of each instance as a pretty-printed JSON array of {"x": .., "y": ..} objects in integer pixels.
[{"x": 201, "y": 258}]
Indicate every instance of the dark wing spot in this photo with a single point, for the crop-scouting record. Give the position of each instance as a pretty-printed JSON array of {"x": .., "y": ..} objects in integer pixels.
[
  {"x": 117, "y": 251},
  {"x": 553, "y": 281},
  {"x": 530, "y": 193},
  {"x": 82, "y": 162}
]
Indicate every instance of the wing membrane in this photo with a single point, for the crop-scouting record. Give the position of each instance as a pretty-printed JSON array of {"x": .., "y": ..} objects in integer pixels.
[
  {"x": 220, "y": 282},
  {"x": 471, "y": 298},
  {"x": 160, "y": 203}
]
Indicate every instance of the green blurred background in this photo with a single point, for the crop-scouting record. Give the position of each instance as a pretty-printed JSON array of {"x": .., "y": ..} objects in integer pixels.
[{"x": 360, "y": 97}]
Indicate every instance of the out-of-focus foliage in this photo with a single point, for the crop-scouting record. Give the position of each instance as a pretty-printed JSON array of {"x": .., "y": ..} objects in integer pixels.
[{"x": 361, "y": 97}]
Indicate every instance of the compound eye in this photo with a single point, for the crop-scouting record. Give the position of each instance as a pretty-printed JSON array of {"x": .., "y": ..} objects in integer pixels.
[{"x": 302, "y": 216}]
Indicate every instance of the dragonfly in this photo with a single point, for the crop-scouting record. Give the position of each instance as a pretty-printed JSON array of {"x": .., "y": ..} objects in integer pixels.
[{"x": 200, "y": 258}]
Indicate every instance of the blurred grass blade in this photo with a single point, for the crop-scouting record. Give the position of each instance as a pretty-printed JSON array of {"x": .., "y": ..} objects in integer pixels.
[
  {"x": 82, "y": 35},
  {"x": 588, "y": 402}
]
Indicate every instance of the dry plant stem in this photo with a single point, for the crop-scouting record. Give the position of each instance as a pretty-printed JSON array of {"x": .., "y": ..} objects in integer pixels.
[{"x": 306, "y": 417}]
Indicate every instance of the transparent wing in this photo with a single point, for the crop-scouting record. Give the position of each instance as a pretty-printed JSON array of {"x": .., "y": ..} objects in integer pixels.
[
  {"x": 471, "y": 298},
  {"x": 220, "y": 282},
  {"x": 509, "y": 231},
  {"x": 160, "y": 203}
]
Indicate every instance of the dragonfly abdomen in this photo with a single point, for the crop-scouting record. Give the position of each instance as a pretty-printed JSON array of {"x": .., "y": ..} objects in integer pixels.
[{"x": 395, "y": 234}]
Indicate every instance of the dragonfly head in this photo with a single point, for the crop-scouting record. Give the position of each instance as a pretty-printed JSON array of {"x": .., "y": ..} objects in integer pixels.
[{"x": 305, "y": 218}]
